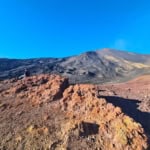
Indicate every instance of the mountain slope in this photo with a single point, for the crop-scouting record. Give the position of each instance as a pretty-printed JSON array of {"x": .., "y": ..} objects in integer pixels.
[{"x": 101, "y": 66}]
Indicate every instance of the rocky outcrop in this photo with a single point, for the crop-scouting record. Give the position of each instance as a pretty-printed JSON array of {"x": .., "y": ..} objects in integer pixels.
[
  {"x": 38, "y": 89},
  {"x": 45, "y": 112},
  {"x": 115, "y": 129}
]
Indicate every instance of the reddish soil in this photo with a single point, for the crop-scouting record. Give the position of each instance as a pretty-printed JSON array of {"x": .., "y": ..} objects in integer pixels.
[{"x": 45, "y": 112}]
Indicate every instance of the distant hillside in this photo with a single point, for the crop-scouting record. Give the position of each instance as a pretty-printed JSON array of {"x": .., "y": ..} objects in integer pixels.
[{"x": 100, "y": 66}]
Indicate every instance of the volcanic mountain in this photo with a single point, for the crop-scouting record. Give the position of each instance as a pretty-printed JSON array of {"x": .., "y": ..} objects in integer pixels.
[
  {"x": 99, "y": 66},
  {"x": 46, "y": 112}
]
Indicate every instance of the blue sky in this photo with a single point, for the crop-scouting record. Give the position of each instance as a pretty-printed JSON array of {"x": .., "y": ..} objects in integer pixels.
[{"x": 58, "y": 28}]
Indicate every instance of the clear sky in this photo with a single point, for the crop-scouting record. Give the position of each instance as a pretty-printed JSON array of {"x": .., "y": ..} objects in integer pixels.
[{"x": 57, "y": 28}]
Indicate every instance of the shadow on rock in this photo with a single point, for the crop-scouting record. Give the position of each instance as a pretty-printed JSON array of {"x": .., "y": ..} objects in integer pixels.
[
  {"x": 87, "y": 129},
  {"x": 130, "y": 108}
]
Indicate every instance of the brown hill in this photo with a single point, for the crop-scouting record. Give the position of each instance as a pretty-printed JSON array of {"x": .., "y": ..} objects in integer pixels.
[
  {"x": 106, "y": 65},
  {"x": 45, "y": 112}
]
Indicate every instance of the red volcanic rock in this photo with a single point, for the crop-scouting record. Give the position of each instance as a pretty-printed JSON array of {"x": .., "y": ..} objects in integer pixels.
[
  {"x": 116, "y": 130},
  {"x": 44, "y": 112},
  {"x": 39, "y": 89}
]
